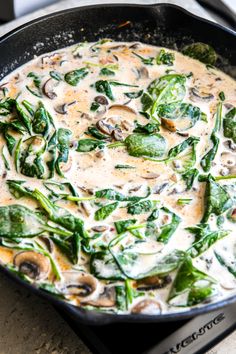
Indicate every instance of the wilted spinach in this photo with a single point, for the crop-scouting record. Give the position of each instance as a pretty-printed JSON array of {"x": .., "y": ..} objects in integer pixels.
[
  {"x": 179, "y": 116},
  {"x": 87, "y": 145},
  {"x": 165, "y": 58},
  {"x": 75, "y": 76},
  {"x": 202, "y": 52},
  {"x": 111, "y": 194},
  {"x": 216, "y": 199},
  {"x": 231, "y": 267},
  {"x": 63, "y": 145},
  {"x": 186, "y": 282},
  {"x": 152, "y": 145},
  {"x": 167, "y": 230},
  {"x": 103, "y": 212},
  {"x": 189, "y": 177},
  {"x": 204, "y": 238},
  {"x": 17, "y": 221},
  {"x": 229, "y": 125},
  {"x": 207, "y": 159}
]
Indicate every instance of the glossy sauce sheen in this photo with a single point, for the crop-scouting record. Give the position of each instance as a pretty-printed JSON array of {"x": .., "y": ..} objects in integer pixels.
[{"x": 95, "y": 170}]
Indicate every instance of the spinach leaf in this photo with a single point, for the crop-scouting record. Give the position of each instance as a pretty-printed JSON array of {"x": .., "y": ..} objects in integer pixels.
[
  {"x": 60, "y": 215},
  {"x": 154, "y": 215},
  {"x": 216, "y": 199},
  {"x": 75, "y": 76},
  {"x": 5, "y": 161},
  {"x": 37, "y": 84},
  {"x": 207, "y": 159},
  {"x": 56, "y": 75},
  {"x": 92, "y": 130},
  {"x": 40, "y": 123},
  {"x": 138, "y": 144},
  {"x": 167, "y": 230},
  {"x": 29, "y": 156},
  {"x": 185, "y": 153},
  {"x": 189, "y": 177},
  {"x": 29, "y": 107},
  {"x": 24, "y": 118},
  {"x": 103, "y": 266},
  {"x": 121, "y": 303},
  {"x": 167, "y": 89},
  {"x": 103, "y": 86},
  {"x": 178, "y": 116},
  {"x": 111, "y": 194},
  {"x": 70, "y": 246},
  {"x": 165, "y": 58},
  {"x": 63, "y": 145},
  {"x": 204, "y": 238},
  {"x": 17, "y": 221},
  {"x": 123, "y": 225},
  {"x": 186, "y": 282},
  {"x": 103, "y": 212},
  {"x": 87, "y": 145},
  {"x": 145, "y": 61},
  {"x": 120, "y": 167},
  {"x": 55, "y": 213},
  {"x": 148, "y": 128},
  {"x": 202, "y": 52},
  {"x": 7, "y": 106},
  {"x": 229, "y": 125},
  {"x": 106, "y": 72},
  {"x": 141, "y": 207},
  {"x": 134, "y": 95},
  {"x": 228, "y": 265},
  {"x": 130, "y": 262}
]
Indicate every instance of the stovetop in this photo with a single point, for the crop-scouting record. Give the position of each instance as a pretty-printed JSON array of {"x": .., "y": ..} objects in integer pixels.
[{"x": 186, "y": 337}]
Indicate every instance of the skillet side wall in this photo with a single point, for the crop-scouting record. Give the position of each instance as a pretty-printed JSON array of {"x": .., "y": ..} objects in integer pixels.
[{"x": 162, "y": 25}]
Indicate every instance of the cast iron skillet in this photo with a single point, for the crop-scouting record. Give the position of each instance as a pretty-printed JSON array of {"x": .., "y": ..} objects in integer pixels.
[{"x": 160, "y": 24}]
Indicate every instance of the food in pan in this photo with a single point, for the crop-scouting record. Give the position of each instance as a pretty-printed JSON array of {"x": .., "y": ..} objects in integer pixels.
[{"x": 118, "y": 170}]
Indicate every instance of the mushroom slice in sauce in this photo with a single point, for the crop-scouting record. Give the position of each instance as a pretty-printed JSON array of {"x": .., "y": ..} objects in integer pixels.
[
  {"x": 154, "y": 282},
  {"x": 32, "y": 264},
  {"x": 79, "y": 284},
  {"x": 196, "y": 95},
  {"x": 48, "y": 88},
  {"x": 106, "y": 299},
  {"x": 147, "y": 307}
]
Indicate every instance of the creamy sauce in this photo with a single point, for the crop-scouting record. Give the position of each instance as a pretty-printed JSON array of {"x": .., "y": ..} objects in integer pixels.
[{"x": 96, "y": 170}]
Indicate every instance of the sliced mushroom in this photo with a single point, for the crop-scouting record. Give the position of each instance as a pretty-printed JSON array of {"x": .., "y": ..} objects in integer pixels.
[
  {"x": 105, "y": 299},
  {"x": 117, "y": 134},
  {"x": 154, "y": 282},
  {"x": 151, "y": 175},
  {"x": 135, "y": 45},
  {"x": 169, "y": 124},
  {"x": 147, "y": 307},
  {"x": 100, "y": 228},
  {"x": 230, "y": 145},
  {"x": 104, "y": 127},
  {"x": 48, "y": 243},
  {"x": 79, "y": 284},
  {"x": 121, "y": 108},
  {"x": 101, "y": 100},
  {"x": 228, "y": 159},
  {"x": 197, "y": 95},
  {"x": 62, "y": 108},
  {"x": 143, "y": 73},
  {"x": 48, "y": 88},
  {"x": 32, "y": 264}
]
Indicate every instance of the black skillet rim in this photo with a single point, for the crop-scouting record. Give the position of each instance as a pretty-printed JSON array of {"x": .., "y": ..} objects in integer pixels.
[{"x": 102, "y": 318}]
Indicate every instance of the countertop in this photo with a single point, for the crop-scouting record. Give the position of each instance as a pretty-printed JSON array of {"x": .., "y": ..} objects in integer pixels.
[{"x": 29, "y": 325}]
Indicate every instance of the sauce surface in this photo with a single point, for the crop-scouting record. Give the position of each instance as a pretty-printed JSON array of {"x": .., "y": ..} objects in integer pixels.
[{"x": 118, "y": 175}]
